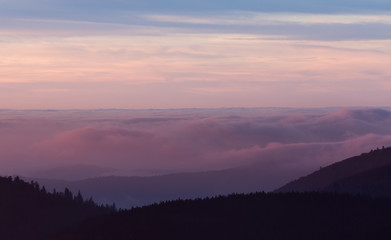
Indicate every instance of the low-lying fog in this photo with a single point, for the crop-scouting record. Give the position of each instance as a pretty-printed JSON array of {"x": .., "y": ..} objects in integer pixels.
[{"x": 88, "y": 143}]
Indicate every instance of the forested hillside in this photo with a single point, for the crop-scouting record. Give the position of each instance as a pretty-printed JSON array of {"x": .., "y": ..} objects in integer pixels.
[
  {"x": 368, "y": 173},
  {"x": 253, "y": 216},
  {"x": 30, "y": 212}
]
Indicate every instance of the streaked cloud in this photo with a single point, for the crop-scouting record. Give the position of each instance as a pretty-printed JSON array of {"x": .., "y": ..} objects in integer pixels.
[
  {"x": 215, "y": 54},
  {"x": 262, "y": 18},
  {"x": 76, "y": 8}
]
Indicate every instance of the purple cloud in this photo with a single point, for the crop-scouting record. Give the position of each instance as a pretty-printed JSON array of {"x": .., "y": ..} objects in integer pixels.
[{"x": 162, "y": 141}]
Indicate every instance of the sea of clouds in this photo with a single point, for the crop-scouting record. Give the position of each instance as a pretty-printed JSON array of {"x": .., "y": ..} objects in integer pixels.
[{"x": 154, "y": 142}]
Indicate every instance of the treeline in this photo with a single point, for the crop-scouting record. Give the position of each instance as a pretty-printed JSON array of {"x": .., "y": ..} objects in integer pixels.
[
  {"x": 28, "y": 211},
  {"x": 275, "y": 216}
]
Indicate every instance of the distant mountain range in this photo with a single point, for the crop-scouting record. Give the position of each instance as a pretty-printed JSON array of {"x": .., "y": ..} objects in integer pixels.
[
  {"x": 138, "y": 191},
  {"x": 369, "y": 173},
  {"x": 317, "y": 206},
  {"x": 73, "y": 172},
  {"x": 313, "y": 207}
]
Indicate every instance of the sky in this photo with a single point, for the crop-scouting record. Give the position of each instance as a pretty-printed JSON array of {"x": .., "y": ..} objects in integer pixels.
[{"x": 117, "y": 54}]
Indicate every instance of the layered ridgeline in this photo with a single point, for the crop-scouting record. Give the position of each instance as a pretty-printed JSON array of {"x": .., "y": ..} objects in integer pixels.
[
  {"x": 28, "y": 211},
  {"x": 292, "y": 215},
  {"x": 369, "y": 173},
  {"x": 138, "y": 191}
]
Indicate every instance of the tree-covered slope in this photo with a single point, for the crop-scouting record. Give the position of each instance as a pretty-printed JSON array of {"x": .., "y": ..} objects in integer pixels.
[
  {"x": 335, "y": 176},
  {"x": 375, "y": 182},
  {"x": 29, "y": 212},
  {"x": 253, "y": 216}
]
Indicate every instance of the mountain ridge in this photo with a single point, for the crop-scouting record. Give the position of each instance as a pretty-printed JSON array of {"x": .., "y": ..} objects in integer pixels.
[
  {"x": 133, "y": 191},
  {"x": 325, "y": 178}
]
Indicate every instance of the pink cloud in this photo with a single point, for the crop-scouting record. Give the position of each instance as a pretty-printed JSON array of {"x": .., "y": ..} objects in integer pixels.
[{"x": 138, "y": 142}]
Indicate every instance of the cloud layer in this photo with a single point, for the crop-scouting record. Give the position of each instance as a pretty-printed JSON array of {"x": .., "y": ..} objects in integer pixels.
[{"x": 149, "y": 142}]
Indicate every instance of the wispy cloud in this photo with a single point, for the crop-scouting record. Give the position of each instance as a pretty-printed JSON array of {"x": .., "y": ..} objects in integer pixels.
[
  {"x": 283, "y": 25},
  {"x": 245, "y": 53},
  {"x": 262, "y": 18},
  {"x": 77, "y": 8}
]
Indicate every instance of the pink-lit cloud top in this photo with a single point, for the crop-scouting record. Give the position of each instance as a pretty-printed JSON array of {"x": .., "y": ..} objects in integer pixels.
[
  {"x": 115, "y": 54},
  {"x": 130, "y": 142}
]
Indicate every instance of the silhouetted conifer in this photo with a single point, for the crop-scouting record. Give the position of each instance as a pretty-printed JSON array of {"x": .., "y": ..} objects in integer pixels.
[{"x": 30, "y": 212}]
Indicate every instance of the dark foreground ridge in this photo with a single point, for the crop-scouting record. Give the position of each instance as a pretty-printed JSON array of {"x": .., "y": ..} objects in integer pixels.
[
  {"x": 369, "y": 173},
  {"x": 312, "y": 207},
  {"x": 30, "y": 212},
  {"x": 252, "y": 216}
]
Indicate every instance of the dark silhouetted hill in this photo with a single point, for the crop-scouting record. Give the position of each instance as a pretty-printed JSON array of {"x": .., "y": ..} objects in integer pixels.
[
  {"x": 311, "y": 208},
  {"x": 376, "y": 182},
  {"x": 253, "y": 216},
  {"x": 29, "y": 212},
  {"x": 368, "y": 173}
]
